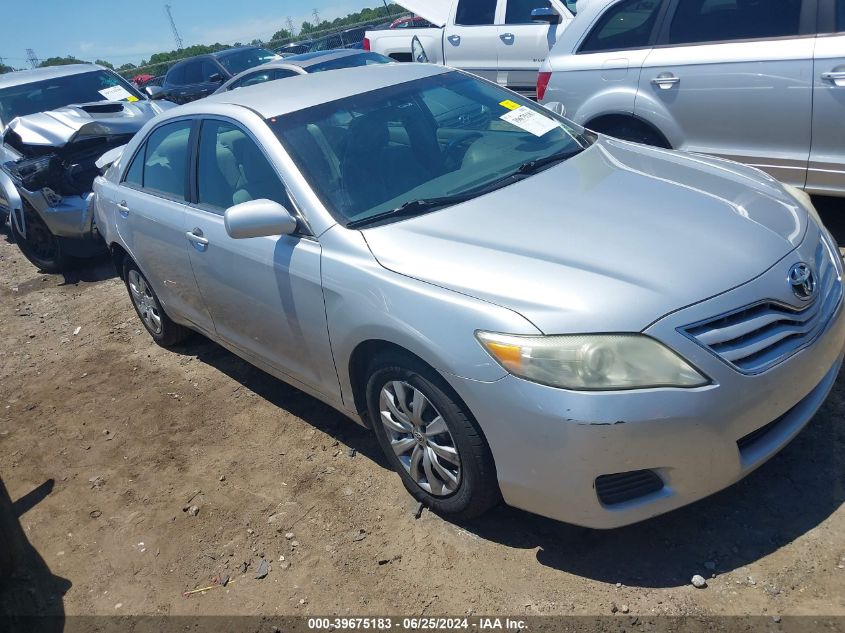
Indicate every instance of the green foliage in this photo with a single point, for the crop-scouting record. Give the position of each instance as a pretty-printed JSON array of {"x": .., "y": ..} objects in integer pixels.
[
  {"x": 103, "y": 62},
  {"x": 5, "y": 69},
  {"x": 126, "y": 68},
  {"x": 61, "y": 61}
]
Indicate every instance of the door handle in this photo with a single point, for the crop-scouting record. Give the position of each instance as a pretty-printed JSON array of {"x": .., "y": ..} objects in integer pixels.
[
  {"x": 507, "y": 38},
  {"x": 836, "y": 76},
  {"x": 196, "y": 238},
  {"x": 123, "y": 209},
  {"x": 454, "y": 39},
  {"x": 665, "y": 81}
]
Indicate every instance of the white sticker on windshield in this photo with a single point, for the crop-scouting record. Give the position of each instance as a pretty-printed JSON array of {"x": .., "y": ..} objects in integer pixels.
[
  {"x": 115, "y": 93},
  {"x": 530, "y": 121}
]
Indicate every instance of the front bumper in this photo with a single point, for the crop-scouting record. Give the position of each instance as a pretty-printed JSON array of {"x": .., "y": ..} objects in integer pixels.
[{"x": 551, "y": 445}]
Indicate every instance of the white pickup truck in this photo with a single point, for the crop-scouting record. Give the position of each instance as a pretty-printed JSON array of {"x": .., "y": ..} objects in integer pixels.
[{"x": 501, "y": 40}]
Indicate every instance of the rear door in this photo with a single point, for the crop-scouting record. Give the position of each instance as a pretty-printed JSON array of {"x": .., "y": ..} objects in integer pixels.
[
  {"x": 265, "y": 293},
  {"x": 734, "y": 78},
  {"x": 826, "y": 172},
  {"x": 522, "y": 44},
  {"x": 149, "y": 208},
  {"x": 469, "y": 38}
]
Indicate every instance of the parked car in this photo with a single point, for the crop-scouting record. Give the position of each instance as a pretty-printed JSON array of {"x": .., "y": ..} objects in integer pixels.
[
  {"x": 501, "y": 40},
  {"x": 410, "y": 22},
  {"x": 294, "y": 48},
  {"x": 758, "y": 82},
  {"x": 303, "y": 64},
  {"x": 198, "y": 77},
  {"x": 592, "y": 328},
  {"x": 48, "y": 152}
]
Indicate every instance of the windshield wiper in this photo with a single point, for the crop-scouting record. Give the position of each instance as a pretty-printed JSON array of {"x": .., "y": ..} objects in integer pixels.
[
  {"x": 413, "y": 207},
  {"x": 533, "y": 166}
]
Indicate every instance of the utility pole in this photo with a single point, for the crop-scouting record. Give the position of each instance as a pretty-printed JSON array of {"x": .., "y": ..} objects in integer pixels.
[
  {"x": 316, "y": 15},
  {"x": 32, "y": 58},
  {"x": 291, "y": 27},
  {"x": 387, "y": 8},
  {"x": 176, "y": 35}
]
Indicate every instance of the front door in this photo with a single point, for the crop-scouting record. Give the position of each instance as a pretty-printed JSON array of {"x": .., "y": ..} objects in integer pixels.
[
  {"x": 468, "y": 39},
  {"x": 522, "y": 44},
  {"x": 265, "y": 293},
  {"x": 735, "y": 80},
  {"x": 149, "y": 208},
  {"x": 826, "y": 172}
]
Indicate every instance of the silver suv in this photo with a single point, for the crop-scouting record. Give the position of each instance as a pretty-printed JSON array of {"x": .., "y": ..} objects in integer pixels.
[{"x": 757, "y": 81}]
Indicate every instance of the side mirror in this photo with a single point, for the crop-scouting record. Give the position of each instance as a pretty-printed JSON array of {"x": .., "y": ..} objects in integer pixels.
[
  {"x": 258, "y": 218},
  {"x": 545, "y": 14},
  {"x": 216, "y": 78},
  {"x": 418, "y": 53},
  {"x": 154, "y": 92},
  {"x": 555, "y": 106}
]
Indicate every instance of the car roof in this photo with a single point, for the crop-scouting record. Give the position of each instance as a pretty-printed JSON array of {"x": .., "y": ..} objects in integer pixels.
[
  {"x": 315, "y": 89},
  {"x": 20, "y": 77},
  {"x": 309, "y": 59},
  {"x": 230, "y": 51}
]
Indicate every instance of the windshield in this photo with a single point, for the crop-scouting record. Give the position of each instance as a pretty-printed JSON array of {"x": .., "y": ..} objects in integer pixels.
[
  {"x": 238, "y": 62},
  {"x": 349, "y": 61},
  {"x": 448, "y": 135},
  {"x": 50, "y": 94}
]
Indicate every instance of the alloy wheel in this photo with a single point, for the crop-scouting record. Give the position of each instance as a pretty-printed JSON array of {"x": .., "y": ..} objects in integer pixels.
[
  {"x": 420, "y": 438},
  {"x": 145, "y": 302}
]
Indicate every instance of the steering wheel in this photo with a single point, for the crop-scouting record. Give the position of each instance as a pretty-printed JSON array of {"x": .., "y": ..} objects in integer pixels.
[{"x": 450, "y": 154}]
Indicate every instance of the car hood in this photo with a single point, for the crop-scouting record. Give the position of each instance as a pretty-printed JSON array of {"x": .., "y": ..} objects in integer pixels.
[
  {"x": 435, "y": 11},
  {"x": 610, "y": 240},
  {"x": 63, "y": 126}
]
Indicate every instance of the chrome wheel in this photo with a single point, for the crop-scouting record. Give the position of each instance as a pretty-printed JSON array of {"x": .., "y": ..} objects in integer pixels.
[
  {"x": 145, "y": 302},
  {"x": 420, "y": 438}
]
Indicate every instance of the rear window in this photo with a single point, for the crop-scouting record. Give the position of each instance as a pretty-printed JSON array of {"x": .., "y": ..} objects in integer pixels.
[
  {"x": 627, "y": 24},
  {"x": 475, "y": 12},
  {"x": 840, "y": 15},
  {"x": 724, "y": 20}
]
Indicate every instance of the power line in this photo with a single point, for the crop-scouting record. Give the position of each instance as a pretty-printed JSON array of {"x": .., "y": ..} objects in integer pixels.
[
  {"x": 32, "y": 58},
  {"x": 316, "y": 15},
  {"x": 291, "y": 27},
  {"x": 176, "y": 35}
]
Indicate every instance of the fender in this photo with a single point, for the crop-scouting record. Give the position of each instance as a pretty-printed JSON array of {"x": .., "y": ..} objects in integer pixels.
[
  {"x": 11, "y": 199},
  {"x": 613, "y": 100},
  {"x": 655, "y": 113}
]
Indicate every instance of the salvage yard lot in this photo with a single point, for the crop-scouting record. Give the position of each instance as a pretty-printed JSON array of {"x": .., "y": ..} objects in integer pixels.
[{"x": 171, "y": 467}]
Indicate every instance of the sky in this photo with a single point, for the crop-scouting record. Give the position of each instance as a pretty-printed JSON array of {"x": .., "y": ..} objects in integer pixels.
[{"x": 121, "y": 32}]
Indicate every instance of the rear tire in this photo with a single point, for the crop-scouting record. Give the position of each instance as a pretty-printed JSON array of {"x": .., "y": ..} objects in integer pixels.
[
  {"x": 40, "y": 246},
  {"x": 629, "y": 129},
  {"x": 437, "y": 448},
  {"x": 161, "y": 327}
]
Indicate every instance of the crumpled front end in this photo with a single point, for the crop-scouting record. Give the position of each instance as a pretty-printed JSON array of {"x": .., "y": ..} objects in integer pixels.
[{"x": 57, "y": 164}]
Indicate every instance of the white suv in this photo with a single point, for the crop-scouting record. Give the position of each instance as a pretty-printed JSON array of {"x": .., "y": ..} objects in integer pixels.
[{"x": 757, "y": 81}]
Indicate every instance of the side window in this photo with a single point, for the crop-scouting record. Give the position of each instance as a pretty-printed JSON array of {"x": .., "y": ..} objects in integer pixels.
[
  {"x": 840, "y": 16},
  {"x": 627, "y": 24},
  {"x": 284, "y": 74},
  {"x": 166, "y": 159},
  {"x": 720, "y": 20},
  {"x": 135, "y": 173},
  {"x": 176, "y": 76},
  {"x": 475, "y": 12},
  {"x": 193, "y": 72},
  {"x": 519, "y": 11},
  {"x": 232, "y": 169},
  {"x": 209, "y": 68}
]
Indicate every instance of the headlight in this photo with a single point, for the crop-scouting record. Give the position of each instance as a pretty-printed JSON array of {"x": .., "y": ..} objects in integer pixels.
[{"x": 592, "y": 361}]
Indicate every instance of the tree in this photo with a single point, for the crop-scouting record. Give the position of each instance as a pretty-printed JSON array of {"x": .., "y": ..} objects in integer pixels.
[
  {"x": 103, "y": 62},
  {"x": 281, "y": 36},
  {"x": 5, "y": 69},
  {"x": 126, "y": 68},
  {"x": 61, "y": 61}
]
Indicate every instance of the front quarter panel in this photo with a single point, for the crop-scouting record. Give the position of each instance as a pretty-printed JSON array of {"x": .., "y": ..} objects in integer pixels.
[{"x": 366, "y": 302}]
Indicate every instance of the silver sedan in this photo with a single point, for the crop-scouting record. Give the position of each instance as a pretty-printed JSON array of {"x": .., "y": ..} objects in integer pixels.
[{"x": 589, "y": 329}]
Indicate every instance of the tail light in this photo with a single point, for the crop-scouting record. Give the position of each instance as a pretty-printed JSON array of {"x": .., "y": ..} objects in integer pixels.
[
  {"x": 366, "y": 43},
  {"x": 542, "y": 84}
]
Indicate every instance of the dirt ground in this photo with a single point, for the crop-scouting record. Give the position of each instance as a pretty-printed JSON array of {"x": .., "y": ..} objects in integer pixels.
[{"x": 106, "y": 441}]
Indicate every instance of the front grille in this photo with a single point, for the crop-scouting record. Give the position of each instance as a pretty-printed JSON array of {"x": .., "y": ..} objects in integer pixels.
[
  {"x": 757, "y": 337},
  {"x": 622, "y": 487}
]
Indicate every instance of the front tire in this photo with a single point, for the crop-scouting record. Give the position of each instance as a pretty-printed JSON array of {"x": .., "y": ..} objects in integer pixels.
[
  {"x": 148, "y": 308},
  {"x": 40, "y": 246},
  {"x": 430, "y": 438}
]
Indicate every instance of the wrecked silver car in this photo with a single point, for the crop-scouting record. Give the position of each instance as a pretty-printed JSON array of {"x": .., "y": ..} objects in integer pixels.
[{"x": 50, "y": 151}]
